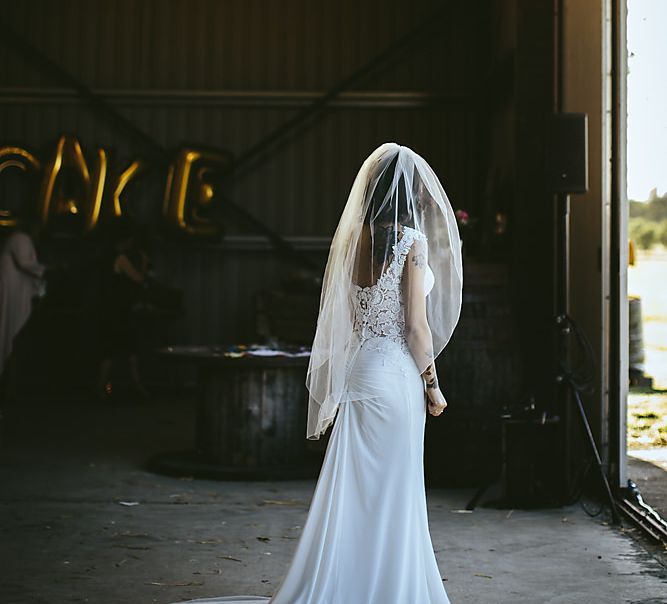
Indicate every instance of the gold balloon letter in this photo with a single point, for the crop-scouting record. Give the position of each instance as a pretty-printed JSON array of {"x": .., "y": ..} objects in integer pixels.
[
  {"x": 69, "y": 188},
  {"x": 188, "y": 192},
  {"x": 15, "y": 157},
  {"x": 125, "y": 177}
]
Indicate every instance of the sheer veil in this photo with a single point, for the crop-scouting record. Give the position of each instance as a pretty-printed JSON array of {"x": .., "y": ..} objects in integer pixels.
[{"x": 395, "y": 192}]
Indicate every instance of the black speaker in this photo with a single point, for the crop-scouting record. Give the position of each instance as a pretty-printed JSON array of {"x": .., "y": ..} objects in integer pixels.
[
  {"x": 531, "y": 470},
  {"x": 567, "y": 153}
]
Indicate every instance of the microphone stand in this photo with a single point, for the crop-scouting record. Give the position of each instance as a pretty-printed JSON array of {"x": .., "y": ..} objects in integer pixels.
[{"x": 564, "y": 324}]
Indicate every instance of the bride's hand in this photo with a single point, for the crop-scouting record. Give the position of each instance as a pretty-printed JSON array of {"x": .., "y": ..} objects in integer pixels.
[{"x": 436, "y": 401}]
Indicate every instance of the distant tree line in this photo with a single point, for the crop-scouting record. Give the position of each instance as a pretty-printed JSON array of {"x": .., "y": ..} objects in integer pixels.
[{"x": 648, "y": 221}]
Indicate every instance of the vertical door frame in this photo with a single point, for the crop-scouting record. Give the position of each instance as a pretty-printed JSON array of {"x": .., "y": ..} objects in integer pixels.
[{"x": 619, "y": 336}]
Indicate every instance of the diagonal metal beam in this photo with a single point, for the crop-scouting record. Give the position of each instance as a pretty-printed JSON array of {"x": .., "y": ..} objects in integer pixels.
[
  {"x": 45, "y": 64},
  {"x": 271, "y": 141},
  {"x": 260, "y": 150}
]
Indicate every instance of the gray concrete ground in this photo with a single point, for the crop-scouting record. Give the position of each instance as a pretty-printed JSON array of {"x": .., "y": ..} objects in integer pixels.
[{"x": 82, "y": 521}]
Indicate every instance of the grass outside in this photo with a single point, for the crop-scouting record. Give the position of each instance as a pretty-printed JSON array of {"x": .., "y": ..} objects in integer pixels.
[{"x": 647, "y": 420}]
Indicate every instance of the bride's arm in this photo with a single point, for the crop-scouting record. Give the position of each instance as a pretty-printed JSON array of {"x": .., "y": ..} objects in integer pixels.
[{"x": 417, "y": 330}]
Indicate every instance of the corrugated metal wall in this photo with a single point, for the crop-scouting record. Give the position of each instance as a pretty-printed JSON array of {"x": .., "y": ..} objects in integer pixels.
[{"x": 225, "y": 73}]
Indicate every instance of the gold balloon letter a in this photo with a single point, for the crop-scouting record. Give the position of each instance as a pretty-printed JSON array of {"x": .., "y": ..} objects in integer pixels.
[
  {"x": 188, "y": 192},
  {"x": 68, "y": 186}
]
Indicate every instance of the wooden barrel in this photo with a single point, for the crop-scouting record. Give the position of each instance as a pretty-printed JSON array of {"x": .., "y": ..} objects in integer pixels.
[
  {"x": 252, "y": 412},
  {"x": 250, "y": 417},
  {"x": 636, "y": 337}
]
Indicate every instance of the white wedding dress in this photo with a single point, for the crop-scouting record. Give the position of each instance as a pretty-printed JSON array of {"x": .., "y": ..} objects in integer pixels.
[{"x": 366, "y": 539}]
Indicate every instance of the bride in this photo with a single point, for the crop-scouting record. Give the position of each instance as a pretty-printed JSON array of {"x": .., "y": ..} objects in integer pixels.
[{"x": 391, "y": 299}]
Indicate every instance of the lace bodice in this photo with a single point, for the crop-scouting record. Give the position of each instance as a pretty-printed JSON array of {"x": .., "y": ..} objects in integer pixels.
[{"x": 379, "y": 309}]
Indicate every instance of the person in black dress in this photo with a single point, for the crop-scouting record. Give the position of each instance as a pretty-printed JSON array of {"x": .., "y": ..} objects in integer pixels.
[{"x": 124, "y": 276}]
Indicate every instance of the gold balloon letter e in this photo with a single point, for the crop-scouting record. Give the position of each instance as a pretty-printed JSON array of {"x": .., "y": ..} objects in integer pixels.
[{"x": 187, "y": 191}]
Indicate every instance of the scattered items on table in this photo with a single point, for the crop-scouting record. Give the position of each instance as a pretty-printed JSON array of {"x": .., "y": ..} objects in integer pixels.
[{"x": 236, "y": 351}]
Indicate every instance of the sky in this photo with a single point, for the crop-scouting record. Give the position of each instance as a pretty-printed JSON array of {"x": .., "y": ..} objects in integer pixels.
[{"x": 647, "y": 97}]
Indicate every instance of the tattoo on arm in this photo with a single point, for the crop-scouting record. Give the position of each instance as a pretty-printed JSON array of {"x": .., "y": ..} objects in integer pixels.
[
  {"x": 419, "y": 260},
  {"x": 430, "y": 377}
]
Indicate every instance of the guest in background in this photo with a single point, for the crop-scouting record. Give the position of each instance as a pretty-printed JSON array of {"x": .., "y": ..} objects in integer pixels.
[
  {"x": 21, "y": 279},
  {"x": 125, "y": 272}
]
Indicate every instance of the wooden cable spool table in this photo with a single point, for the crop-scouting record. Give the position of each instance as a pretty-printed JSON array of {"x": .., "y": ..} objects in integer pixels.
[{"x": 250, "y": 416}]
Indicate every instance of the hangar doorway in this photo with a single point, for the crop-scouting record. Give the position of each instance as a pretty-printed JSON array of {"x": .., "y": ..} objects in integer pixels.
[{"x": 646, "y": 434}]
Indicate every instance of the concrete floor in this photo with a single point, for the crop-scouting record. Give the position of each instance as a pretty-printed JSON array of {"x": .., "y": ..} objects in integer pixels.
[
  {"x": 647, "y": 468},
  {"x": 82, "y": 521}
]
